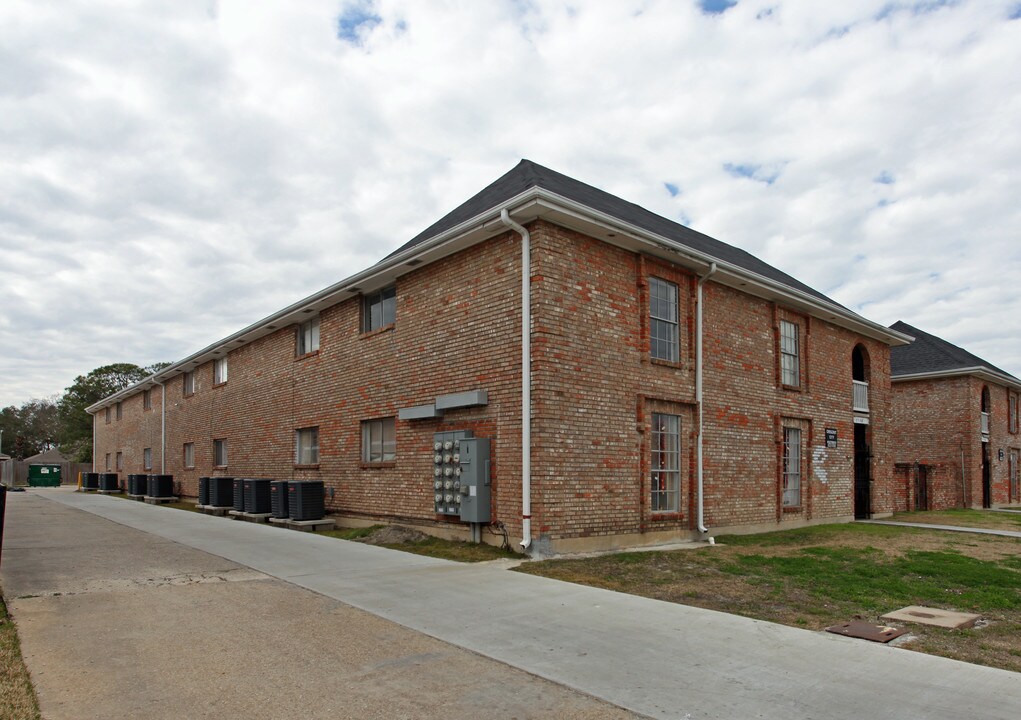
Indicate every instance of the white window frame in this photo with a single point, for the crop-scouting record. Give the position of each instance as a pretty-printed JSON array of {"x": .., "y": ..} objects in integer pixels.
[
  {"x": 792, "y": 477},
  {"x": 220, "y": 452},
  {"x": 790, "y": 354},
  {"x": 664, "y": 320},
  {"x": 147, "y": 458},
  {"x": 219, "y": 371},
  {"x": 1012, "y": 405},
  {"x": 665, "y": 463},
  {"x": 379, "y": 309},
  {"x": 188, "y": 383},
  {"x": 306, "y": 446},
  {"x": 189, "y": 454},
  {"x": 307, "y": 337},
  {"x": 376, "y": 446}
]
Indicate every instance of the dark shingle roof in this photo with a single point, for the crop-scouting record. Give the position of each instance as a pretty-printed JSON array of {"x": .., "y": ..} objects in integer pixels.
[
  {"x": 929, "y": 353},
  {"x": 528, "y": 174}
]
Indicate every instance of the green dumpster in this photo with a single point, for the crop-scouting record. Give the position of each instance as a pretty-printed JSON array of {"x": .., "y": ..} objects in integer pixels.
[{"x": 44, "y": 475}]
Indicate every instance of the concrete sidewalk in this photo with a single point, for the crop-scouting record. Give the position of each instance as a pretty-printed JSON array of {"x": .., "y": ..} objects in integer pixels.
[
  {"x": 949, "y": 528},
  {"x": 656, "y": 658}
]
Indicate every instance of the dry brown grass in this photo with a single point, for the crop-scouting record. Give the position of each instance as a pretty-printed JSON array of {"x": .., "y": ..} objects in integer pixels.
[
  {"x": 17, "y": 696},
  {"x": 987, "y": 519},
  {"x": 822, "y": 576}
]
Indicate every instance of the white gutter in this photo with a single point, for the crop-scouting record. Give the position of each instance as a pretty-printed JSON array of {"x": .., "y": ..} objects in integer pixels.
[
  {"x": 93, "y": 442},
  {"x": 978, "y": 371},
  {"x": 526, "y": 377},
  {"x": 698, "y": 390},
  {"x": 163, "y": 429}
]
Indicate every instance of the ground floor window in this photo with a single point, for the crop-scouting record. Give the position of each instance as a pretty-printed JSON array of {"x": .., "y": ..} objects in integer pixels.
[
  {"x": 1015, "y": 476},
  {"x": 791, "y": 467},
  {"x": 108, "y": 462},
  {"x": 379, "y": 440},
  {"x": 147, "y": 458},
  {"x": 220, "y": 453},
  {"x": 306, "y": 446},
  {"x": 665, "y": 481},
  {"x": 189, "y": 455},
  {"x": 120, "y": 461}
]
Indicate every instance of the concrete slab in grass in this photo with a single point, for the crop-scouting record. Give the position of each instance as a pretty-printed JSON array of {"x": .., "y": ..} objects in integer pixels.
[{"x": 933, "y": 616}]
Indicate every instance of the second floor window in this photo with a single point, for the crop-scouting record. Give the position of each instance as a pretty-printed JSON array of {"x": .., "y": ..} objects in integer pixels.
[
  {"x": 663, "y": 323},
  {"x": 308, "y": 337},
  {"x": 220, "y": 371},
  {"x": 790, "y": 358},
  {"x": 147, "y": 399},
  {"x": 189, "y": 383},
  {"x": 120, "y": 411},
  {"x": 1012, "y": 412},
  {"x": 379, "y": 309}
]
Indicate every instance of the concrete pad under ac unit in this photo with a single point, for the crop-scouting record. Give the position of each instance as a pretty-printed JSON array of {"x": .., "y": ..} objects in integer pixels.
[{"x": 933, "y": 616}]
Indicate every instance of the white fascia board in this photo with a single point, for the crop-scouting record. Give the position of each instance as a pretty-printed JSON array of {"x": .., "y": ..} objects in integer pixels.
[{"x": 978, "y": 371}]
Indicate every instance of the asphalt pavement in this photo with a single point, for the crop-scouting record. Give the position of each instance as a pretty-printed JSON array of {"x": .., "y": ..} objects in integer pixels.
[{"x": 654, "y": 658}]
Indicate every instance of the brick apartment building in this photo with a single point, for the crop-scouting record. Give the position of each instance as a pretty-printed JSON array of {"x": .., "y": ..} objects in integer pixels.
[
  {"x": 673, "y": 385},
  {"x": 955, "y": 427}
]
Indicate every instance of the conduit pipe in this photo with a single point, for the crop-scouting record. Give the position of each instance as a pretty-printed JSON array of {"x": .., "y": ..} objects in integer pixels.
[
  {"x": 698, "y": 390},
  {"x": 526, "y": 377}
]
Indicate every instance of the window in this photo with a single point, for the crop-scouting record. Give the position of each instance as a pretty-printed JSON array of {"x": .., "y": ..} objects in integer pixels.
[
  {"x": 220, "y": 371},
  {"x": 663, "y": 325},
  {"x": 666, "y": 456},
  {"x": 147, "y": 399},
  {"x": 790, "y": 364},
  {"x": 147, "y": 458},
  {"x": 189, "y": 455},
  {"x": 108, "y": 462},
  {"x": 220, "y": 453},
  {"x": 379, "y": 309},
  {"x": 1012, "y": 412},
  {"x": 791, "y": 467},
  {"x": 306, "y": 446},
  {"x": 120, "y": 413},
  {"x": 379, "y": 440},
  {"x": 108, "y": 416},
  {"x": 1014, "y": 474},
  {"x": 120, "y": 461},
  {"x": 189, "y": 383},
  {"x": 308, "y": 337}
]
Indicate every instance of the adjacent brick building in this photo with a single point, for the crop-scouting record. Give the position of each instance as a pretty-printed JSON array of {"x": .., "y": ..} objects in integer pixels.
[
  {"x": 955, "y": 427},
  {"x": 619, "y": 367}
]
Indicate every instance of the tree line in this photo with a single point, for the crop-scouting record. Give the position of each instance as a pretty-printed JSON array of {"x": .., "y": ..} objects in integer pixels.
[{"x": 61, "y": 421}]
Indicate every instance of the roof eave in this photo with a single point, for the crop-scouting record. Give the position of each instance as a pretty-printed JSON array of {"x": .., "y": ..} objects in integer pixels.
[{"x": 982, "y": 373}]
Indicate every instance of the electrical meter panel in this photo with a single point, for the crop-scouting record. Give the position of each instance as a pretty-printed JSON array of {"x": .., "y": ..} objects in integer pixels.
[
  {"x": 475, "y": 488},
  {"x": 446, "y": 480}
]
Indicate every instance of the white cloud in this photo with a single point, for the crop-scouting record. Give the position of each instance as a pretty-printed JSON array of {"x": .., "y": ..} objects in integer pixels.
[{"x": 170, "y": 172}]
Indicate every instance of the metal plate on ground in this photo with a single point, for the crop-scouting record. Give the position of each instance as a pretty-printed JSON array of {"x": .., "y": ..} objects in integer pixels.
[
  {"x": 933, "y": 616},
  {"x": 867, "y": 631}
]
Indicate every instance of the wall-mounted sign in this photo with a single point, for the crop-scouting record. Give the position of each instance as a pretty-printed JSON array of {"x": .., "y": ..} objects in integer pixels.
[
  {"x": 831, "y": 437},
  {"x": 861, "y": 420}
]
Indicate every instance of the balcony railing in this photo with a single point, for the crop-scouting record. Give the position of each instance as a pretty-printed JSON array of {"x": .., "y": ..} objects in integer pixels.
[
  {"x": 861, "y": 396},
  {"x": 985, "y": 423}
]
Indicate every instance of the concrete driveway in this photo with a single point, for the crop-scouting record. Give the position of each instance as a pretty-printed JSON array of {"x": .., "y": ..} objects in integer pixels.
[
  {"x": 654, "y": 658},
  {"x": 118, "y": 623}
]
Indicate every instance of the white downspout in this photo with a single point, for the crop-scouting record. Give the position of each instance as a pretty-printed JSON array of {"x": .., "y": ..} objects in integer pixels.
[
  {"x": 526, "y": 378},
  {"x": 698, "y": 390},
  {"x": 93, "y": 442},
  {"x": 163, "y": 429}
]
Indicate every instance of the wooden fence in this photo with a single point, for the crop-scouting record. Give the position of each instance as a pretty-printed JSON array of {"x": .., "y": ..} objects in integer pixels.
[{"x": 15, "y": 472}]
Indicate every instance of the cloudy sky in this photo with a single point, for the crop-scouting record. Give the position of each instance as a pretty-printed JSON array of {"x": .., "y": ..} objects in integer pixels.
[{"x": 173, "y": 170}]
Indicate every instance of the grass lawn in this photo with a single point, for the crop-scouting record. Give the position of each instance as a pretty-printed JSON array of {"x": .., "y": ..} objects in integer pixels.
[
  {"x": 17, "y": 696},
  {"x": 964, "y": 518},
  {"x": 397, "y": 538},
  {"x": 829, "y": 574}
]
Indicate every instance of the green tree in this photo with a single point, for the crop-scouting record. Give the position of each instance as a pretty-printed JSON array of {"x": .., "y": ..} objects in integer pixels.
[
  {"x": 29, "y": 429},
  {"x": 76, "y": 424}
]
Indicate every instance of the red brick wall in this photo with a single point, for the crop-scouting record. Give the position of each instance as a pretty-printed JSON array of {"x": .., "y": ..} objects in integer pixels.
[
  {"x": 937, "y": 422},
  {"x": 594, "y": 390}
]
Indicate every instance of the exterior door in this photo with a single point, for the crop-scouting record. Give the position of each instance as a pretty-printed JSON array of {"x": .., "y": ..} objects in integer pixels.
[
  {"x": 987, "y": 490},
  {"x": 1015, "y": 491},
  {"x": 862, "y": 474},
  {"x": 922, "y": 488}
]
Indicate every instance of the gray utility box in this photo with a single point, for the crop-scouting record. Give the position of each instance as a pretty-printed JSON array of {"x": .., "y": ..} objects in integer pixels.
[
  {"x": 446, "y": 482},
  {"x": 475, "y": 486}
]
